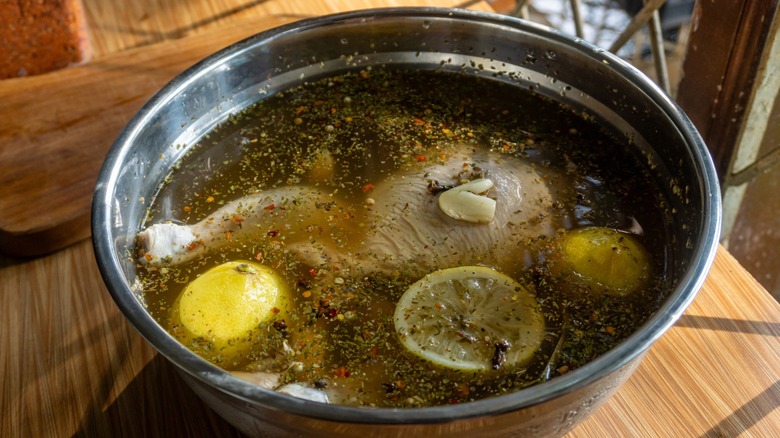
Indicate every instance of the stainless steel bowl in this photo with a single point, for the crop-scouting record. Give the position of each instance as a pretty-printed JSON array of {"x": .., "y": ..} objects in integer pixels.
[{"x": 474, "y": 43}]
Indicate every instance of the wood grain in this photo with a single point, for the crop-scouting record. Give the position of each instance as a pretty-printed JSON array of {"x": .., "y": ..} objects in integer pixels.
[
  {"x": 51, "y": 149},
  {"x": 56, "y": 128},
  {"x": 726, "y": 46},
  {"x": 71, "y": 365},
  {"x": 715, "y": 373}
]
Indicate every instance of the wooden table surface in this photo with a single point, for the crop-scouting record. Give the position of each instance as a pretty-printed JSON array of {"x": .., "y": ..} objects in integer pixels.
[{"x": 71, "y": 365}]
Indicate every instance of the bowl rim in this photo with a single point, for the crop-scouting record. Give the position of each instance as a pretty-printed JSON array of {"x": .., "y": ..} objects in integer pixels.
[{"x": 629, "y": 349}]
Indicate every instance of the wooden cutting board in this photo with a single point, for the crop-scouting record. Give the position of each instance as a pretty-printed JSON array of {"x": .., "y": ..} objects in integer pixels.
[{"x": 55, "y": 129}]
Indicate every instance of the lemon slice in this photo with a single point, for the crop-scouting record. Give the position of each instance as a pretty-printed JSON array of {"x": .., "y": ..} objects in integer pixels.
[
  {"x": 606, "y": 260},
  {"x": 469, "y": 318},
  {"x": 220, "y": 310}
]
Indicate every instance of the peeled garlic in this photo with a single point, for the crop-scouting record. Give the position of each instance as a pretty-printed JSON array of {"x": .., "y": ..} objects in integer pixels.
[{"x": 465, "y": 203}]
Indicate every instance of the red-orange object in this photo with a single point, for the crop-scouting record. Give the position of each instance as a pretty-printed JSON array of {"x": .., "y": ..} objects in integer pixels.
[{"x": 41, "y": 36}]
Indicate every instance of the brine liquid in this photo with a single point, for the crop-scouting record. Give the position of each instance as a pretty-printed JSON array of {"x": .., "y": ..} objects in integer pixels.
[{"x": 370, "y": 124}]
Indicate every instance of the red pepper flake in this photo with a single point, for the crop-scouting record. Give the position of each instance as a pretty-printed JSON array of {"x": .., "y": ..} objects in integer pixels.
[
  {"x": 333, "y": 111},
  {"x": 364, "y": 74},
  {"x": 187, "y": 209},
  {"x": 269, "y": 207},
  {"x": 148, "y": 257},
  {"x": 609, "y": 330},
  {"x": 563, "y": 370},
  {"x": 505, "y": 147},
  {"x": 319, "y": 102},
  {"x": 419, "y": 121},
  {"x": 237, "y": 218},
  {"x": 259, "y": 257},
  {"x": 341, "y": 372},
  {"x": 367, "y": 188},
  {"x": 313, "y": 272},
  {"x": 227, "y": 235},
  {"x": 299, "y": 110},
  {"x": 273, "y": 233},
  {"x": 420, "y": 158},
  {"x": 374, "y": 350},
  {"x": 192, "y": 246},
  {"x": 438, "y": 305},
  {"x": 275, "y": 310},
  {"x": 210, "y": 199}
]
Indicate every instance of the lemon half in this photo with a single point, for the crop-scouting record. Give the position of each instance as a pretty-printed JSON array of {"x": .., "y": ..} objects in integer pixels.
[
  {"x": 222, "y": 308},
  {"x": 458, "y": 318},
  {"x": 605, "y": 260}
]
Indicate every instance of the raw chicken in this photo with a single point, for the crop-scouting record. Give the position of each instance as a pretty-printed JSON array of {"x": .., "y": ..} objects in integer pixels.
[
  {"x": 298, "y": 211},
  {"x": 408, "y": 228},
  {"x": 406, "y": 231},
  {"x": 411, "y": 230}
]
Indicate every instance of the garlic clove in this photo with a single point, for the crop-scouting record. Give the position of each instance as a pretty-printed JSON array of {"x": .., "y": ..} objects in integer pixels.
[{"x": 466, "y": 203}]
